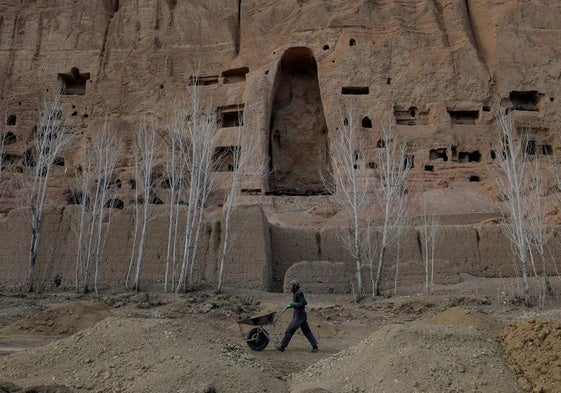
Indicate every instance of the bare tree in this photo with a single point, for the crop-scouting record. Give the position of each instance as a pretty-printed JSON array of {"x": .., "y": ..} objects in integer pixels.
[
  {"x": 350, "y": 188},
  {"x": 137, "y": 198},
  {"x": 201, "y": 140},
  {"x": 393, "y": 168},
  {"x": 96, "y": 174},
  {"x": 176, "y": 167},
  {"x": 85, "y": 177},
  {"x": 429, "y": 229},
  {"x": 50, "y": 137},
  {"x": 513, "y": 184},
  {"x": 241, "y": 156},
  {"x": 3, "y": 134},
  {"x": 145, "y": 152}
]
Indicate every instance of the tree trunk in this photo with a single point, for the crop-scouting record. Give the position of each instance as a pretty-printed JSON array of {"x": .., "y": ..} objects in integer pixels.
[
  {"x": 33, "y": 257},
  {"x": 378, "y": 283}
]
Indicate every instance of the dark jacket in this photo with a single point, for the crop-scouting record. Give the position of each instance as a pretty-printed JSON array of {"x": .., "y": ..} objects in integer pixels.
[{"x": 300, "y": 302}]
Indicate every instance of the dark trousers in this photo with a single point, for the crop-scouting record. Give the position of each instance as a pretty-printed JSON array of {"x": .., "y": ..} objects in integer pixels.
[{"x": 299, "y": 321}]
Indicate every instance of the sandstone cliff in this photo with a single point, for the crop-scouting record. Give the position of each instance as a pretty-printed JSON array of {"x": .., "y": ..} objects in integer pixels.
[{"x": 438, "y": 69}]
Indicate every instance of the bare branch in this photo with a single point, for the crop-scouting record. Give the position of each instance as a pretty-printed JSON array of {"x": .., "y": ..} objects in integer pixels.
[
  {"x": 95, "y": 179},
  {"x": 198, "y": 154},
  {"x": 393, "y": 168},
  {"x": 514, "y": 184},
  {"x": 146, "y": 146},
  {"x": 350, "y": 188},
  {"x": 50, "y": 137}
]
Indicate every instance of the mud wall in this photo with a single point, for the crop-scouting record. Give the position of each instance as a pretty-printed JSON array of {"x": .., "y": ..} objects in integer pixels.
[
  {"x": 58, "y": 250},
  {"x": 477, "y": 250},
  {"x": 261, "y": 255}
]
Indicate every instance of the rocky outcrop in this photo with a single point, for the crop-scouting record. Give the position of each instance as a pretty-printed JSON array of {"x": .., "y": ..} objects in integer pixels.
[{"x": 437, "y": 69}]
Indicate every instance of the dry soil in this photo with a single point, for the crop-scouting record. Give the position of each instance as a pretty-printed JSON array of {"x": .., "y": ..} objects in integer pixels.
[{"x": 153, "y": 342}]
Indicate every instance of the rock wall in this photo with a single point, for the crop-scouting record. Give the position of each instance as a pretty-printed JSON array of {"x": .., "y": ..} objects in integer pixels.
[{"x": 284, "y": 73}]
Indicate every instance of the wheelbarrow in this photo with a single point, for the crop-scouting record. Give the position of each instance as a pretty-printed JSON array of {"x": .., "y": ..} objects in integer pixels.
[{"x": 258, "y": 337}]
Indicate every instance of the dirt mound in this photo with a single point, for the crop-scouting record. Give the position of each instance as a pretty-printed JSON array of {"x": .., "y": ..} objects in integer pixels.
[
  {"x": 143, "y": 355},
  {"x": 61, "y": 319},
  {"x": 458, "y": 316},
  {"x": 413, "y": 358},
  {"x": 226, "y": 306},
  {"x": 416, "y": 307},
  {"x": 533, "y": 349}
]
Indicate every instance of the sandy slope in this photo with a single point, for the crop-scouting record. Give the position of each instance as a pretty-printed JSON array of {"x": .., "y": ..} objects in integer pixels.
[{"x": 166, "y": 343}]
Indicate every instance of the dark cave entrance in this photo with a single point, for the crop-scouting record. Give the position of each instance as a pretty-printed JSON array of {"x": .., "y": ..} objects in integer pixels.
[{"x": 298, "y": 140}]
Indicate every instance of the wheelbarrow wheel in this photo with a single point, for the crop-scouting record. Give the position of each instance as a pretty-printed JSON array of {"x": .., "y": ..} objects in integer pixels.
[{"x": 256, "y": 339}]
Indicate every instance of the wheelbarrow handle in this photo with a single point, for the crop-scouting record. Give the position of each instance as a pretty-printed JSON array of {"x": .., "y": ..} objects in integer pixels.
[{"x": 280, "y": 314}]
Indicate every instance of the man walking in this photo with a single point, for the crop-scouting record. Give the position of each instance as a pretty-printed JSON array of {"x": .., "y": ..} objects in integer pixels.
[{"x": 299, "y": 318}]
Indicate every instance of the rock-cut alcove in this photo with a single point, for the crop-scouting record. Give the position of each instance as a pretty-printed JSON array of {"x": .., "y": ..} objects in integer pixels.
[{"x": 298, "y": 140}]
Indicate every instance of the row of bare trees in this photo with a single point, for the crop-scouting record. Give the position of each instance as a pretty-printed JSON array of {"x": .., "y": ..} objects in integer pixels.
[
  {"x": 190, "y": 163},
  {"x": 375, "y": 204},
  {"x": 93, "y": 178},
  {"x": 523, "y": 186},
  {"x": 374, "y": 195}
]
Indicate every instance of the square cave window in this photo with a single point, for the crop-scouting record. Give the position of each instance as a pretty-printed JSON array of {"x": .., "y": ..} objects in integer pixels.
[
  {"x": 230, "y": 116},
  {"x": 355, "y": 90},
  {"x": 464, "y": 117},
  {"x": 474, "y": 156},
  {"x": 114, "y": 204},
  {"x": 547, "y": 150},
  {"x": 454, "y": 150},
  {"x": 74, "y": 82},
  {"x": 410, "y": 117},
  {"x": 11, "y": 121},
  {"x": 225, "y": 158},
  {"x": 525, "y": 100},
  {"x": 198, "y": 80},
  {"x": 531, "y": 148},
  {"x": 9, "y": 138},
  {"x": 440, "y": 153},
  {"x": 75, "y": 198},
  {"x": 235, "y": 75},
  {"x": 27, "y": 159},
  {"x": 58, "y": 161},
  {"x": 409, "y": 161},
  {"x": 153, "y": 199}
]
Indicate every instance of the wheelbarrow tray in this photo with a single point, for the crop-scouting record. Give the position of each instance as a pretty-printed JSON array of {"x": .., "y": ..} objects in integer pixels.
[{"x": 266, "y": 319}]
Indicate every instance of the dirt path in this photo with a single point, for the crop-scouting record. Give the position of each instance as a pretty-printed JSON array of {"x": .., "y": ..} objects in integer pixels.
[{"x": 191, "y": 343}]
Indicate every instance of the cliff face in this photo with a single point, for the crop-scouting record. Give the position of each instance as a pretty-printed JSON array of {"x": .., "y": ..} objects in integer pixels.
[{"x": 438, "y": 69}]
